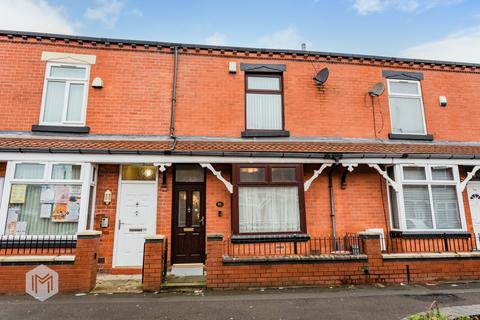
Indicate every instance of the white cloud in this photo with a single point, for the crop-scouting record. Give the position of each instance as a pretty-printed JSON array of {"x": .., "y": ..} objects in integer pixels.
[
  {"x": 216, "y": 39},
  {"x": 106, "y": 11},
  {"x": 463, "y": 46},
  {"x": 137, "y": 12},
  {"x": 288, "y": 38},
  {"x": 31, "y": 15},
  {"x": 365, "y": 7}
]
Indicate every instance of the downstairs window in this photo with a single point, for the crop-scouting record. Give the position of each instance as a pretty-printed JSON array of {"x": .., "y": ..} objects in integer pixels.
[
  {"x": 269, "y": 199},
  {"x": 44, "y": 199},
  {"x": 429, "y": 198}
]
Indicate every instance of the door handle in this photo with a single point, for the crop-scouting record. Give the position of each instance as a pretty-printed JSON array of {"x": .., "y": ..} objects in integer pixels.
[
  {"x": 189, "y": 210},
  {"x": 119, "y": 223},
  {"x": 201, "y": 221}
]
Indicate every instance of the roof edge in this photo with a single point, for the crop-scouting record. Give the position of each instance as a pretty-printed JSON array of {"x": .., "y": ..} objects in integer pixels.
[{"x": 234, "y": 48}]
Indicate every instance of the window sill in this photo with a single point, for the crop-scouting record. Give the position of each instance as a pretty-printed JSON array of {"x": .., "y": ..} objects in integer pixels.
[
  {"x": 429, "y": 234},
  {"x": 265, "y": 133},
  {"x": 60, "y": 129},
  {"x": 419, "y": 137},
  {"x": 253, "y": 238}
]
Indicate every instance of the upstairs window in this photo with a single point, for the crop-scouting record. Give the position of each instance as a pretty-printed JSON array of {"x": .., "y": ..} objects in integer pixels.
[
  {"x": 264, "y": 102},
  {"x": 406, "y": 107},
  {"x": 65, "y": 94}
]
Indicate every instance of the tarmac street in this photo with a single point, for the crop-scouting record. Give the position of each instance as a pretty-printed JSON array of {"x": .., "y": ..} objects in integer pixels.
[{"x": 337, "y": 303}]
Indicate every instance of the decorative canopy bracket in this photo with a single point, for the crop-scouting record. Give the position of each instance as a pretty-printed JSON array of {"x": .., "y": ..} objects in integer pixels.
[
  {"x": 350, "y": 166},
  {"x": 316, "y": 173},
  {"x": 469, "y": 177},
  {"x": 218, "y": 174},
  {"x": 385, "y": 176},
  {"x": 162, "y": 166}
]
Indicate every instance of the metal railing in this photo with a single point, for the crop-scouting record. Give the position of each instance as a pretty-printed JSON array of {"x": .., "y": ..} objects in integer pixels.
[
  {"x": 346, "y": 245},
  {"x": 37, "y": 245},
  {"x": 432, "y": 244}
]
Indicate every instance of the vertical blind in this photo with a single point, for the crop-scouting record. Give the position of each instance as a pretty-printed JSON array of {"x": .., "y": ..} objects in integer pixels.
[
  {"x": 29, "y": 212},
  {"x": 418, "y": 212},
  {"x": 54, "y": 101},
  {"x": 264, "y": 111},
  {"x": 447, "y": 215}
]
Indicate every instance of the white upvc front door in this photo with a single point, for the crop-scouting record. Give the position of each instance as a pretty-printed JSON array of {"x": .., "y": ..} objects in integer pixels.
[
  {"x": 136, "y": 218},
  {"x": 473, "y": 191}
]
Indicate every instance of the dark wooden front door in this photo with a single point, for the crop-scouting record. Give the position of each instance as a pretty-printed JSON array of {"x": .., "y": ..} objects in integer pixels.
[{"x": 188, "y": 232}]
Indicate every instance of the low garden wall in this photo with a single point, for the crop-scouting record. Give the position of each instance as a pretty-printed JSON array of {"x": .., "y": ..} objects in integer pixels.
[
  {"x": 76, "y": 271},
  {"x": 371, "y": 266}
]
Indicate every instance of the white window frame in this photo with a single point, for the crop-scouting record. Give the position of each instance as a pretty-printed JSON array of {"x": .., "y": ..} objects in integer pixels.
[
  {"x": 399, "y": 178},
  {"x": 68, "y": 82},
  {"x": 408, "y": 96},
  {"x": 84, "y": 182}
]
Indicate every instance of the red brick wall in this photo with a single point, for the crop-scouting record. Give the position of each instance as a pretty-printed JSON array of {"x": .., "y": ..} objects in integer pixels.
[
  {"x": 221, "y": 276},
  {"x": 107, "y": 180},
  {"x": 137, "y": 92},
  {"x": 153, "y": 265},
  {"x": 164, "y": 208},
  {"x": 77, "y": 277},
  {"x": 134, "y": 100}
]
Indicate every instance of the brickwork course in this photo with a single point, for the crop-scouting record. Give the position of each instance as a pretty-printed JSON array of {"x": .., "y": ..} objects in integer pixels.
[{"x": 130, "y": 123}]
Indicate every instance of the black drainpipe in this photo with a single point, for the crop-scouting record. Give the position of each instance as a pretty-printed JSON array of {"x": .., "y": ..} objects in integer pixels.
[
  {"x": 332, "y": 203},
  {"x": 174, "y": 99}
]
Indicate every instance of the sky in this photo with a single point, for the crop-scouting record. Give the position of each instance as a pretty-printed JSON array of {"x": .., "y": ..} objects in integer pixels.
[{"x": 428, "y": 29}]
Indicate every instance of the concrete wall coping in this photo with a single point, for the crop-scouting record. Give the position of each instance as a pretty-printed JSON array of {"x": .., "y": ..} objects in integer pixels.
[
  {"x": 155, "y": 238},
  {"x": 369, "y": 234},
  {"x": 294, "y": 259},
  {"x": 215, "y": 236},
  {"x": 432, "y": 255},
  {"x": 51, "y": 258},
  {"x": 89, "y": 233}
]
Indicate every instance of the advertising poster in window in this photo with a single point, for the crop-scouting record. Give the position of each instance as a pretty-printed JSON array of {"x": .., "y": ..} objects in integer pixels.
[
  {"x": 17, "y": 194},
  {"x": 48, "y": 194},
  {"x": 46, "y": 210},
  {"x": 67, "y": 204},
  {"x": 12, "y": 217},
  {"x": 61, "y": 194}
]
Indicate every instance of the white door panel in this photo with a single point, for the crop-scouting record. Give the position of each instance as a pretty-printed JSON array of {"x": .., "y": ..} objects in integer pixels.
[
  {"x": 473, "y": 191},
  {"x": 136, "y": 219}
]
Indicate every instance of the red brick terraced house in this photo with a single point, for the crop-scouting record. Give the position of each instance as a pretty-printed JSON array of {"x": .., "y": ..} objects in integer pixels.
[{"x": 249, "y": 157}]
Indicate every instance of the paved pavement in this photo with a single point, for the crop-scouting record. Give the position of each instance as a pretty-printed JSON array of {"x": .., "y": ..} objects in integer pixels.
[{"x": 339, "y": 303}]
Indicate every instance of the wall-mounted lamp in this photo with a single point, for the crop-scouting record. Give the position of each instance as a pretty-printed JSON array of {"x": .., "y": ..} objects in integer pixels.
[
  {"x": 107, "y": 197},
  {"x": 97, "y": 83}
]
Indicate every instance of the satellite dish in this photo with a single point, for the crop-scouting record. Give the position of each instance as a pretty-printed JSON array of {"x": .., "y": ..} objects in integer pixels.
[
  {"x": 321, "y": 76},
  {"x": 377, "y": 89}
]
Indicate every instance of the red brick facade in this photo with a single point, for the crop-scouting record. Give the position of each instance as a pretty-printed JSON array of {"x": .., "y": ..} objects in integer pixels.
[{"x": 129, "y": 120}]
